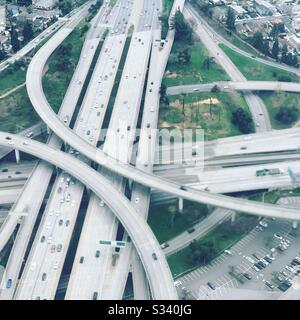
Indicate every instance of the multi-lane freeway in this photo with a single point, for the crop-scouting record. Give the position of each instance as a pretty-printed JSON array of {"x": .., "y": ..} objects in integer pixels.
[{"x": 108, "y": 203}]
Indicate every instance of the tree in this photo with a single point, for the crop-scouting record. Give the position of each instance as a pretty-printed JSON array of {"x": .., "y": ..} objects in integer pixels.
[
  {"x": 284, "y": 52},
  {"x": 275, "y": 49},
  {"x": 230, "y": 19},
  {"x": 208, "y": 62},
  {"x": 201, "y": 253},
  {"x": 287, "y": 115},
  {"x": 183, "y": 32},
  {"x": 2, "y": 54},
  {"x": 15, "y": 40},
  {"x": 183, "y": 95},
  {"x": 242, "y": 119},
  {"x": 27, "y": 32},
  {"x": 65, "y": 6},
  {"x": 184, "y": 56},
  {"x": 215, "y": 89}
]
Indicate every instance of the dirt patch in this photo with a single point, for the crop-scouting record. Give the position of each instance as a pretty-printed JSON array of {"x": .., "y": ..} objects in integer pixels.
[{"x": 171, "y": 75}]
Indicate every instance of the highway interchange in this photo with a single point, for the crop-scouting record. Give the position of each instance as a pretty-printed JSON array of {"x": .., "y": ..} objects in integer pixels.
[{"x": 91, "y": 277}]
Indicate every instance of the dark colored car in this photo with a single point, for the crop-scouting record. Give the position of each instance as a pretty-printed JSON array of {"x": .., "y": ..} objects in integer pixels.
[
  {"x": 95, "y": 295},
  {"x": 154, "y": 256},
  {"x": 247, "y": 276},
  {"x": 211, "y": 285},
  {"x": 8, "y": 283},
  {"x": 97, "y": 254},
  {"x": 190, "y": 230},
  {"x": 81, "y": 259}
]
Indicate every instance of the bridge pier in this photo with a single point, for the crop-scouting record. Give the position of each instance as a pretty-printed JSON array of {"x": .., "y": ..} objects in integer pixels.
[
  {"x": 233, "y": 217},
  {"x": 295, "y": 224},
  {"x": 180, "y": 205},
  {"x": 48, "y": 130},
  {"x": 17, "y": 154}
]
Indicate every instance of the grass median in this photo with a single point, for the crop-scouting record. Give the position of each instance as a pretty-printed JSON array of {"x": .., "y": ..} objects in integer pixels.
[{"x": 207, "y": 110}]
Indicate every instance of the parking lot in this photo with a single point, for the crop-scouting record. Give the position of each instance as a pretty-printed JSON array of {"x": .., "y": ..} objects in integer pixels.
[{"x": 226, "y": 271}]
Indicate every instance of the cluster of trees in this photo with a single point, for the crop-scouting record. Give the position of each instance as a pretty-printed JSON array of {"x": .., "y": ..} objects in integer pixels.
[
  {"x": 183, "y": 31},
  {"x": 287, "y": 115},
  {"x": 25, "y": 3},
  {"x": 65, "y": 6},
  {"x": 243, "y": 120},
  {"x": 230, "y": 19},
  {"x": 164, "y": 100},
  {"x": 94, "y": 8},
  {"x": 63, "y": 62},
  {"x": 276, "y": 52},
  {"x": 201, "y": 252},
  {"x": 181, "y": 57}
]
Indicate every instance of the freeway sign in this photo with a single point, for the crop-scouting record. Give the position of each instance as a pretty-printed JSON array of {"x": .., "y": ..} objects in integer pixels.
[{"x": 117, "y": 244}]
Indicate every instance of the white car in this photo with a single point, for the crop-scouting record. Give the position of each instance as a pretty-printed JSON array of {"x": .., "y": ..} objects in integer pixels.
[
  {"x": 289, "y": 268},
  {"x": 228, "y": 252},
  {"x": 278, "y": 236},
  {"x": 249, "y": 259},
  {"x": 55, "y": 265},
  {"x": 101, "y": 203},
  {"x": 263, "y": 224},
  {"x": 49, "y": 240},
  {"x": 33, "y": 266},
  {"x": 177, "y": 283}
]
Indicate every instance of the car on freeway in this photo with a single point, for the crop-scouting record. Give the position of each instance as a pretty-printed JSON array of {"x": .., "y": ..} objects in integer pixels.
[
  {"x": 43, "y": 238},
  {"x": 101, "y": 203},
  {"x": 190, "y": 230},
  {"x": 165, "y": 245},
  {"x": 211, "y": 285},
  {"x": 33, "y": 266},
  {"x": 49, "y": 240},
  {"x": 59, "y": 247},
  {"x": 81, "y": 259},
  {"x": 44, "y": 276},
  {"x": 97, "y": 255},
  {"x": 52, "y": 249},
  {"x": 55, "y": 266},
  {"x": 183, "y": 188},
  {"x": 67, "y": 222},
  {"x": 154, "y": 256},
  {"x": 8, "y": 283}
]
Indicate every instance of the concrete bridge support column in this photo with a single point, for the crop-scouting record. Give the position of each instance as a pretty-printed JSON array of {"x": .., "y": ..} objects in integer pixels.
[
  {"x": 17, "y": 154},
  {"x": 48, "y": 130},
  {"x": 233, "y": 217},
  {"x": 295, "y": 224},
  {"x": 180, "y": 205}
]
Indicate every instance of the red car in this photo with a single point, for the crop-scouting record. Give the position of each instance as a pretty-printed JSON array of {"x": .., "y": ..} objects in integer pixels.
[{"x": 53, "y": 247}]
